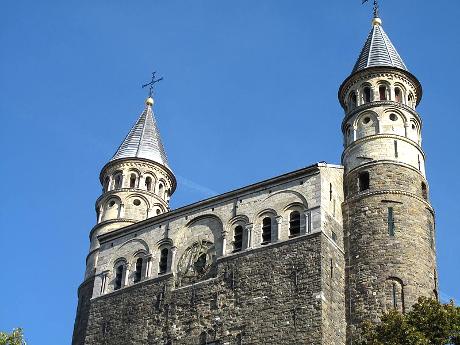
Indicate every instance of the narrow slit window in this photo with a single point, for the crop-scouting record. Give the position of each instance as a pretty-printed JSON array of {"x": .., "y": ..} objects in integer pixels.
[
  {"x": 238, "y": 239},
  {"x": 431, "y": 234},
  {"x": 163, "y": 265},
  {"x": 396, "y": 148},
  {"x": 330, "y": 191},
  {"x": 118, "y": 277},
  {"x": 266, "y": 230},
  {"x": 138, "y": 272},
  {"x": 391, "y": 222},
  {"x": 363, "y": 181},
  {"x": 294, "y": 224},
  {"x": 418, "y": 160},
  {"x": 424, "y": 191},
  {"x": 395, "y": 296}
]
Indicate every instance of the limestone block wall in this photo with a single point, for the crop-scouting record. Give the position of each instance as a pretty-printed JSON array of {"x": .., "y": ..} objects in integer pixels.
[
  {"x": 390, "y": 253},
  {"x": 271, "y": 295}
]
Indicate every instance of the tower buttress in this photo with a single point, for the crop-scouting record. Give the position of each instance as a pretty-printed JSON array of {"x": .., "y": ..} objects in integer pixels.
[{"x": 388, "y": 219}]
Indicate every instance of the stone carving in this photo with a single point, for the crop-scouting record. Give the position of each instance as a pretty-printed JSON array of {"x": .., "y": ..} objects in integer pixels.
[{"x": 195, "y": 264}]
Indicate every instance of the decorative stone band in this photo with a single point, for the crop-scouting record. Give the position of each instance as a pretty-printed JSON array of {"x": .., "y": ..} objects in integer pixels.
[
  {"x": 110, "y": 221},
  {"x": 384, "y": 161},
  {"x": 380, "y": 136},
  {"x": 127, "y": 190},
  {"x": 362, "y": 195},
  {"x": 376, "y": 104}
]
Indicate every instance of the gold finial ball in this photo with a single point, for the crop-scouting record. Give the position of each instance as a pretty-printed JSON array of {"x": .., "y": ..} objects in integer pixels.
[
  {"x": 149, "y": 101},
  {"x": 377, "y": 21}
]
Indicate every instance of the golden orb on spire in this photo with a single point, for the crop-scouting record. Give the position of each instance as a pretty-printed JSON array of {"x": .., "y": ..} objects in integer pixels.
[
  {"x": 376, "y": 21},
  {"x": 149, "y": 101}
]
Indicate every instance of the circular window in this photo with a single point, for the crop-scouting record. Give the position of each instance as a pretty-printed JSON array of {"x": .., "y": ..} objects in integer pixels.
[
  {"x": 393, "y": 117},
  {"x": 366, "y": 120},
  {"x": 413, "y": 126},
  {"x": 158, "y": 211},
  {"x": 136, "y": 202},
  {"x": 111, "y": 203}
]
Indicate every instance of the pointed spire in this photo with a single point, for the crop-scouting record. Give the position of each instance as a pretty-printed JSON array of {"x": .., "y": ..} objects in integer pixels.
[
  {"x": 378, "y": 50},
  {"x": 143, "y": 140}
]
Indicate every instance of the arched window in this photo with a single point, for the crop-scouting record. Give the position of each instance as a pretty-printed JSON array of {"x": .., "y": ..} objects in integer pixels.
[
  {"x": 138, "y": 271},
  {"x": 132, "y": 181},
  {"x": 411, "y": 99},
  {"x": 294, "y": 224},
  {"x": 363, "y": 181},
  {"x": 398, "y": 95},
  {"x": 394, "y": 294},
  {"x": 424, "y": 191},
  {"x": 266, "y": 230},
  {"x": 352, "y": 100},
  {"x": 118, "y": 276},
  {"x": 163, "y": 265},
  {"x": 238, "y": 239},
  {"x": 118, "y": 180},
  {"x": 383, "y": 93},
  {"x": 160, "y": 190},
  {"x": 148, "y": 183},
  {"x": 367, "y": 94},
  {"x": 106, "y": 184}
]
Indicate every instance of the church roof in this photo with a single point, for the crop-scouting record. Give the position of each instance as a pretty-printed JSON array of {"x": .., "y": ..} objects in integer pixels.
[
  {"x": 143, "y": 140},
  {"x": 378, "y": 51}
]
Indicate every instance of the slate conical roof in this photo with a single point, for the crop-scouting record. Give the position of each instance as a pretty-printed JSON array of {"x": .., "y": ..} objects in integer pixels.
[
  {"x": 143, "y": 140},
  {"x": 378, "y": 50}
]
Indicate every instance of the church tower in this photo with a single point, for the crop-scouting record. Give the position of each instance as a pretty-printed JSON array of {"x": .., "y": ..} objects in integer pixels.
[
  {"x": 388, "y": 219},
  {"x": 137, "y": 184}
]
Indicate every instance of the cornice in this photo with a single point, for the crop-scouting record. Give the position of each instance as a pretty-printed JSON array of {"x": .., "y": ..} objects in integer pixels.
[{"x": 111, "y": 221}]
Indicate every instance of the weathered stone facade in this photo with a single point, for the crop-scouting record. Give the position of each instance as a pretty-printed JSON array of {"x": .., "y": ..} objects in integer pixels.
[{"x": 301, "y": 258}]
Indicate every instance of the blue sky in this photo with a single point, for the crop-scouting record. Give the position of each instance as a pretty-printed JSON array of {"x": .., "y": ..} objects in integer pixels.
[{"x": 250, "y": 92}]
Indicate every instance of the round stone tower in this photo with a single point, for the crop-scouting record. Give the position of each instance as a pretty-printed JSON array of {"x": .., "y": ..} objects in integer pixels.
[
  {"x": 136, "y": 183},
  {"x": 388, "y": 219}
]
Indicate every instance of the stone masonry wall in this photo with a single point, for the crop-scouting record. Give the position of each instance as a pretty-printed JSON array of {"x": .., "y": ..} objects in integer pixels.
[
  {"x": 271, "y": 295},
  {"x": 387, "y": 270}
]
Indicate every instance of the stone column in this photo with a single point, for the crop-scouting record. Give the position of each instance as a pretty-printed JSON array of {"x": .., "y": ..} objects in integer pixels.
[
  {"x": 354, "y": 133},
  {"x": 125, "y": 280},
  {"x": 99, "y": 216},
  {"x": 172, "y": 262},
  {"x": 109, "y": 185},
  {"x": 307, "y": 222},
  {"x": 406, "y": 129},
  {"x": 379, "y": 123},
  {"x": 276, "y": 237},
  {"x": 148, "y": 266},
  {"x": 224, "y": 243},
  {"x": 104, "y": 278},
  {"x": 248, "y": 233},
  {"x": 121, "y": 211}
]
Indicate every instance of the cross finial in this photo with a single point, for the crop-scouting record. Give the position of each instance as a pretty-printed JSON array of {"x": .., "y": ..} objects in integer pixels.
[
  {"x": 376, "y": 7},
  {"x": 152, "y": 82}
]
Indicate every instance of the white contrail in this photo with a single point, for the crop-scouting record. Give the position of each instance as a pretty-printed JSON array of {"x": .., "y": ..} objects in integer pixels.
[{"x": 195, "y": 186}]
